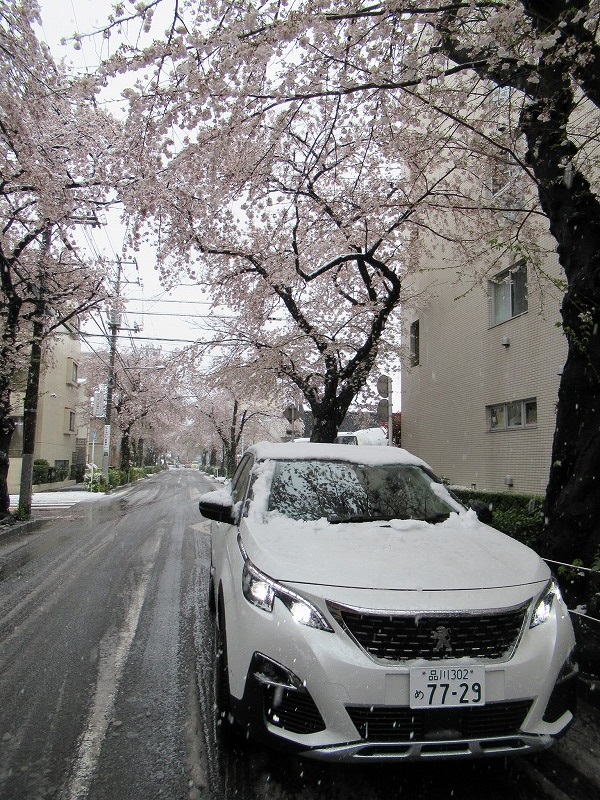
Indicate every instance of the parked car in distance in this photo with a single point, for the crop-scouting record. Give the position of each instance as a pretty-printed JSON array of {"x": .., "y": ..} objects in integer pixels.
[
  {"x": 368, "y": 436},
  {"x": 363, "y": 614}
]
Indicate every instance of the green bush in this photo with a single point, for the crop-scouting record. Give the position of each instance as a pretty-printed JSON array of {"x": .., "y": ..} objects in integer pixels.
[
  {"x": 117, "y": 477},
  {"x": 40, "y": 471},
  {"x": 77, "y": 473},
  {"x": 97, "y": 483},
  {"x": 519, "y": 515}
]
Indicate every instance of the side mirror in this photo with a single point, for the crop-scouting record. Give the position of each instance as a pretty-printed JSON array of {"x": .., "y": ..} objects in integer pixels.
[
  {"x": 483, "y": 511},
  {"x": 218, "y": 506}
]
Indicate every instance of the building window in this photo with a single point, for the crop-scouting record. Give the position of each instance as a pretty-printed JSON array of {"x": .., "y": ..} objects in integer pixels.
[
  {"x": 72, "y": 371},
  {"x": 509, "y": 293},
  {"x": 16, "y": 440},
  {"x": 70, "y": 420},
  {"x": 414, "y": 343},
  {"x": 512, "y": 416}
]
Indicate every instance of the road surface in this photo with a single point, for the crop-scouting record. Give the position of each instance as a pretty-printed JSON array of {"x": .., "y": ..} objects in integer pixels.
[{"x": 106, "y": 682}]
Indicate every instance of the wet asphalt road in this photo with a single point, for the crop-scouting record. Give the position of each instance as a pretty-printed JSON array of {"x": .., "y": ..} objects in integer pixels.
[{"x": 106, "y": 688}]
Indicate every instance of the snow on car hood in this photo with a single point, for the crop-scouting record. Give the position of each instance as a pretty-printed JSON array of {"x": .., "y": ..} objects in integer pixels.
[{"x": 460, "y": 553}]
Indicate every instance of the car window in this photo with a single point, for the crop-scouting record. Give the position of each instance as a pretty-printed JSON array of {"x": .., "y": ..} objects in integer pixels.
[
  {"x": 313, "y": 489},
  {"x": 340, "y": 491},
  {"x": 239, "y": 483}
]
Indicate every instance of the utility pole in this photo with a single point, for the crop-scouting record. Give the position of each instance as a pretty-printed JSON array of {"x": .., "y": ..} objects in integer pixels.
[{"x": 115, "y": 324}]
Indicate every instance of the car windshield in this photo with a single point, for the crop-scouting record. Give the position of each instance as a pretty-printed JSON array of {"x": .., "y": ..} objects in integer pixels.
[{"x": 346, "y": 492}]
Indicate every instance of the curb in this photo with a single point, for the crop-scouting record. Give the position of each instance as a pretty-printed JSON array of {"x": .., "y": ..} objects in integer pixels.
[{"x": 19, "y": 528}]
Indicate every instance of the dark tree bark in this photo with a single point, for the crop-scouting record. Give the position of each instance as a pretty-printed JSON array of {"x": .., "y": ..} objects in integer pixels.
[
  {"x": 574, "y": 214},
  {"x": 11, "y": 311},
  {"x": 30, "y": 409},
  {"x": 573, "y": 211}
]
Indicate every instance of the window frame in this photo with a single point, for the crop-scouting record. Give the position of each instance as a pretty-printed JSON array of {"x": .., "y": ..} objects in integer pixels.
[
  {"x": 70, "y": 421},
  {"x": 15, "y": 448},
  {"x": 517, "y": 305},
  {"x": 72, "y": 372},
  {"x": 507, "y": 411},
  {"x": 415, "y": 343}
]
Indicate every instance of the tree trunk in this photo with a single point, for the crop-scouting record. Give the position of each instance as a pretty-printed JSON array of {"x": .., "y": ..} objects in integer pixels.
[
  {"x": 7, "y": 427},
  {"x": 574, "y": 215},
  {"x": 11, "y": 310},
  {"x": 125, "y": 451},
  {"x": 325, "y": 428},
  {"x": 30, "y": 409}
]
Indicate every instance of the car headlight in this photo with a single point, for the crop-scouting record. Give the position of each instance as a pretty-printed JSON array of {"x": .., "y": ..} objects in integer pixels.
[
  {"x": 261, "y": 591},
  {"x": 544, "y": 605}
]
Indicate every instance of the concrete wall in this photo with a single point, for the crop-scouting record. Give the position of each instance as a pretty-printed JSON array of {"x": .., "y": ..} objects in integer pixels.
[
  {"x": 58, "y": 397},
  {"x": 465, "y": 367}
]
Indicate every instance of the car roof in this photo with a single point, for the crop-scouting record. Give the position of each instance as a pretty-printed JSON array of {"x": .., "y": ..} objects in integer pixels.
[{"x": 356, "y": 454}]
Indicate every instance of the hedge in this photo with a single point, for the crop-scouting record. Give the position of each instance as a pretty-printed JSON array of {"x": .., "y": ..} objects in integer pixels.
[{"x": 519, "y": 515}]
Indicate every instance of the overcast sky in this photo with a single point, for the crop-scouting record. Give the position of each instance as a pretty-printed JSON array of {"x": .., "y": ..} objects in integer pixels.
[{"x": 164, "y": 318}]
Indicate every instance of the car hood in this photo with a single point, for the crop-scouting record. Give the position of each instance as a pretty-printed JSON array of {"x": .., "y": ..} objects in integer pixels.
[{"x": 460, "y": 553}]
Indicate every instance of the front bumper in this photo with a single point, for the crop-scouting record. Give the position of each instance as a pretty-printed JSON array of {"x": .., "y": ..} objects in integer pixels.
[
  {"x": 288, "y": 719},
  {"x": 329, "y": 700}
]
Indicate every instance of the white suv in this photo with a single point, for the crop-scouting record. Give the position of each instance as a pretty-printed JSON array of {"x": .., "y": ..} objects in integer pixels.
[{"x": 364, "y": 614}]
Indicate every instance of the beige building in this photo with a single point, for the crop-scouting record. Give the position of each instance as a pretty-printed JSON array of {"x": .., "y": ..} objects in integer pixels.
[
  {"x": 482, "y": 368},
  {"x": 59, "y": 398}
]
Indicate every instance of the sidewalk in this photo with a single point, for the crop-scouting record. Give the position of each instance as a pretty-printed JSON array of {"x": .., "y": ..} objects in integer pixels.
[{"x": 46, "y": 506}]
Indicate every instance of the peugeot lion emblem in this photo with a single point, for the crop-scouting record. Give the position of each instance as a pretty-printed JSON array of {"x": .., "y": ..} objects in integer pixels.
[{"x": 441, "y": 637}]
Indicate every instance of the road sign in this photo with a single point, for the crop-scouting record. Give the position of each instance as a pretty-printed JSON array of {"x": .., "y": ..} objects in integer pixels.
[
  {"x": 106, "y": 447},
  {"x": 383, "y": 385},
  {"x": 292, "y": 412},
  {"x": 383, "y": 411}
]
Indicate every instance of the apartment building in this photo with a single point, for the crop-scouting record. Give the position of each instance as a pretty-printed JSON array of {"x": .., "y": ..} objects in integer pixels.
[
  {"x": 57, "y": 418},
  {"x": 481, "y": 373}
]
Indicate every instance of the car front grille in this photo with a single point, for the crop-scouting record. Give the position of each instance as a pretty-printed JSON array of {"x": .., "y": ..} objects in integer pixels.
[
  {"x": 401, "y": 637},
  {"x": 403, "y": 724}
]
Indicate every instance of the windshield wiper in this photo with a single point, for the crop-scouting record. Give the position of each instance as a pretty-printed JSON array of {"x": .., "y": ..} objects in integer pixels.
[
  {"x": 441, "y": 517},
  {"x": 335, "y": 520}
]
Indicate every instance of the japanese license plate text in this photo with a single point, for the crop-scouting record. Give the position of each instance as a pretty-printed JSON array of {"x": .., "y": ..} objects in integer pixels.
[{"x": 443, "y": 687}]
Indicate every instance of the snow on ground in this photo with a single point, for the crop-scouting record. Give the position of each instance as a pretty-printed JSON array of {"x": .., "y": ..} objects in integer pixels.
[{"x": 58, "y": 499}]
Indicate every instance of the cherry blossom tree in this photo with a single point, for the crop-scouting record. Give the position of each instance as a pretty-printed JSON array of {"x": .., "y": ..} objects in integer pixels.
[
  {"x": 223, "y": 421},
  {"x": 510, "y": 86},
  {"x": 146, "y": 397},
  {"x": 55, "y": 171},
  {"x": 289, "y": 247}
]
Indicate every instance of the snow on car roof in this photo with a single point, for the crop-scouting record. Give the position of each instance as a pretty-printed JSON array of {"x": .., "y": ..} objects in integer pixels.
[{"x": 356, "y": 454}]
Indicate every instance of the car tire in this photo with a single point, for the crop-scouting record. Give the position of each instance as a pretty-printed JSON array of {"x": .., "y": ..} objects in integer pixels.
[{"x": 225, "y": 725}]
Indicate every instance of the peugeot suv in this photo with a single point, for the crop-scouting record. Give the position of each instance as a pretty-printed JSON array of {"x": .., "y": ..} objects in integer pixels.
[{"x": 362, "y": 613}]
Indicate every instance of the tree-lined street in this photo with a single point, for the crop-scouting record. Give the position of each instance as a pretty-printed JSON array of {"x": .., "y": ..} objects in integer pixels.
[{"x": 107, "y": 684}]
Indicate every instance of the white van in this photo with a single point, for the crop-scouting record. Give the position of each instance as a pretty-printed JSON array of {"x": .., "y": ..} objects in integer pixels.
[{"x": 366, "y": 436}]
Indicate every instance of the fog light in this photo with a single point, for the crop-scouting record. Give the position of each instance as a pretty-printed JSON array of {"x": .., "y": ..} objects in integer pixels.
[{"x": 271, "y": 673}]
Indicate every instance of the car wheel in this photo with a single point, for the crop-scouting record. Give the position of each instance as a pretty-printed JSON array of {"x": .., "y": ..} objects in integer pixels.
[{"x": 225, "y": 726}]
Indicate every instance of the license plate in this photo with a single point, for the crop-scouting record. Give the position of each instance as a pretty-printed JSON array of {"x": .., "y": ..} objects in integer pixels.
[{"x": 444, "y": 687}]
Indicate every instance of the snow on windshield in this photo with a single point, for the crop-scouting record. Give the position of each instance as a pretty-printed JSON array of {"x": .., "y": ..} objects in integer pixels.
[{"x": 344, "y": 491}]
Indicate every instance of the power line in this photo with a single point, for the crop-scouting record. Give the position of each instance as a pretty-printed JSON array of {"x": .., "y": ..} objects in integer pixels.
[
  {"x": 85, "y": 335},
  {"x": 159, "y": 300},
  {"x": 170, "y": 314}
]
